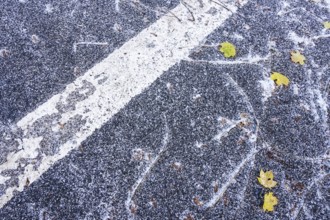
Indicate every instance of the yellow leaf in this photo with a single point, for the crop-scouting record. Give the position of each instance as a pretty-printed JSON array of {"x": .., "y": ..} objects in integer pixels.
[
  {"x": 266, "y": 179},
  {"x": 326, "y": 24},
  {"x": 269, "y": 202},
  {"x": 297, "y": 57},
  {"x": 228, "y": 49},
  {"x": 280, "y": 79}
]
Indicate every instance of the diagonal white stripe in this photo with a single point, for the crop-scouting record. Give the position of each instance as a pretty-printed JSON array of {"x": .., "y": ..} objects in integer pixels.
[{"x": 113, "y": 82}]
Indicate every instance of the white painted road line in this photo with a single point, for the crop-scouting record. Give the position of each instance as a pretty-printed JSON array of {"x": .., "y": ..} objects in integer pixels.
[{"x": 113, "y": 82}]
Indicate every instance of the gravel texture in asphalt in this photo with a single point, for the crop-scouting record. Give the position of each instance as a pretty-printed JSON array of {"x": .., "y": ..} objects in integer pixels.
[{"x": 190, "y": 146}]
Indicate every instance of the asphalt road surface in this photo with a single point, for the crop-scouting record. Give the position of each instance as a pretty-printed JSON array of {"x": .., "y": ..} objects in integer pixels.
[{"x": 126, "y": 109}]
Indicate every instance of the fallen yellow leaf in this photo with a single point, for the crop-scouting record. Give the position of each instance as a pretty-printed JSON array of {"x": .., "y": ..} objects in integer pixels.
[
  {"x": 228, "y": 49},
  {"x": 297, "y": 57},
  {"x": 269, "y": 202},
  {"x": 266, "y": 179},
  {"x": 326, "y": 24},
  {"x": 280, "y": 79}
]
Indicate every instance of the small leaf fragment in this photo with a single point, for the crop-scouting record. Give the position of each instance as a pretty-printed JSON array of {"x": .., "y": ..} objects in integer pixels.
[
  {"x": 266, "y": 179},
  {"x": 280, "y": 79},
  {"x": 228, "y": 49},
  {"x": 269, "y": 202},
  {"x": 326, "y": 24},
  {"x": 197, "y": 201},
  {"x": 297, "y": 57}
]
